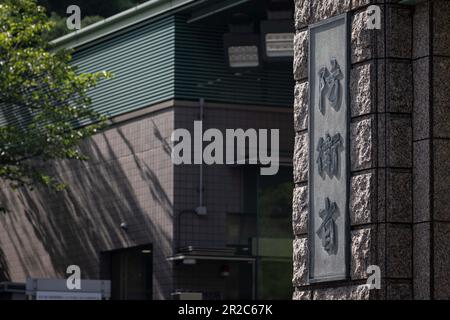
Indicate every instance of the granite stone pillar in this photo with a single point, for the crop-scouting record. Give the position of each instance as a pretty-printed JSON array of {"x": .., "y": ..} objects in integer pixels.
[
  {"x": 431, "y": 150},
  {"x": 382, "y": 162}
]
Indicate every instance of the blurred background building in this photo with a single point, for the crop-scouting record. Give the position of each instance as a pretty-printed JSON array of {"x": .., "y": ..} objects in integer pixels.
[{"x": 129, "y": 215}]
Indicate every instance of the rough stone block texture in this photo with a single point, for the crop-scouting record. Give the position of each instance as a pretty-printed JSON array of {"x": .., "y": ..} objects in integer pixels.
[
  {"x": 362, "y": 195},
  {"x": 362, "y": 252},
  {"x": 360, "y": 292},
  {"x": 365, "y": 43},
  {"x": 300, "y": 210},
  {"x": 421, "y": 261},
  {"x": 369, "y": 43},
  {"x": 302, "y": 295},
  {"x": 441, "y": 28},
  {"x": 421, "y": 108},
  {"x": 301, "y": 106},
  {"x": 395, "y": 249},
  {"x": 421, "y": 178},
  {"x": 441, "y": 260},
  {"x": 324, "y": 9},
  {"x": 301, "y": 55},
  {"x": 362, "y": 89},
  {"x": 421, "y": 32},
  {"x": 301, "y": 158},
  {"x": 302, "y": 13},
  {"x": 362, "y": 144},
  {"x": 300, "y": 257},
  {"x": 441, "y": 103},
  {"x": 441, "y": 180},
  {"x": 361, "y": 3},
  {"x": 362, "y": 39}
]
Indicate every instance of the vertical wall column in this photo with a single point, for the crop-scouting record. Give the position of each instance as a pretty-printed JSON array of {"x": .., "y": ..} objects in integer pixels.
[
  {"x": 381, "y": 102},
  {"x": 431, "y": 136}
]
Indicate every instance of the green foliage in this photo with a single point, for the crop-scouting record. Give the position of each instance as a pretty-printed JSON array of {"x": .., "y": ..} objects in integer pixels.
[
  {"x": 59, "y": 27},
  {"x": 42, "y": 88}
]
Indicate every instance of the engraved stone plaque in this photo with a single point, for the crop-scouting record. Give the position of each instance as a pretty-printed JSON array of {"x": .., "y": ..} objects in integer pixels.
[{"x": 329, "y": 151}]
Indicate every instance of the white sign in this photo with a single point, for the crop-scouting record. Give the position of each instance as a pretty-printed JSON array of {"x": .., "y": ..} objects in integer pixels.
[
  {"x": 55, "y": 295},
  {"x": 56, "y": 289}
]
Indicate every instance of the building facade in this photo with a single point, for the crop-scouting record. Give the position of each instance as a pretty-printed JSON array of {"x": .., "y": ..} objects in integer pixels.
[
  {"x": 128, "y": 214},
  {"x": 162, "y": 231},
  {"x": 399, "y": 149}
]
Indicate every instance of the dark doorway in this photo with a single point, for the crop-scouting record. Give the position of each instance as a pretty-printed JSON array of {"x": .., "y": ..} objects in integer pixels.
[{"x": 131, "y": 273}]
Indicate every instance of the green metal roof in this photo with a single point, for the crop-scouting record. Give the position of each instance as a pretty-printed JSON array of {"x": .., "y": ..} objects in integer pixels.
[
  {"x": 142, "y": 62},
  {"x": 121, "y": 21},
  {"x": 172, "y": 59},
  {"x": 157, "y": 54}
]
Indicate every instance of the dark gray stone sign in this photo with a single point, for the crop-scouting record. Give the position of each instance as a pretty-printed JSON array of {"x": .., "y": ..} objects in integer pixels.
[{"x": 328, "y": 149}]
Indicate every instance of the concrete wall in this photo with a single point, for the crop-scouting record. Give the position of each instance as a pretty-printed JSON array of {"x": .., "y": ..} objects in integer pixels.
[{"x": 399, "y": 150}]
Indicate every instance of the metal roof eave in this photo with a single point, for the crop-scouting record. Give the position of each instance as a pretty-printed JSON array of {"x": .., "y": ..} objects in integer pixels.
[{"x": 119, "y": 22}]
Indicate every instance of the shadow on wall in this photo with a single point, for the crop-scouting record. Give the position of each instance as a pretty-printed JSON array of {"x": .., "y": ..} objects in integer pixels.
[
  {"x": 75, "y": 225},
  {"x": 4, "y": 273}
]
